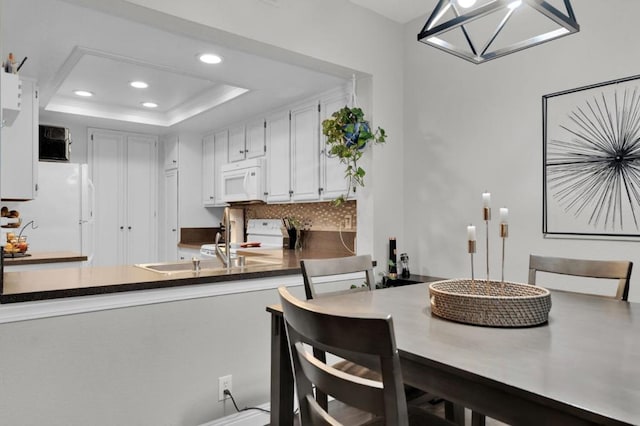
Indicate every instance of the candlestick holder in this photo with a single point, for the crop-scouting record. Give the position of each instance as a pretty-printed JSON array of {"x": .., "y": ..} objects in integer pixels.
[
  {"x": 472, "y": 250},
  {"x": 504, "y": 233},
  {"x": 486, "y": 215}
]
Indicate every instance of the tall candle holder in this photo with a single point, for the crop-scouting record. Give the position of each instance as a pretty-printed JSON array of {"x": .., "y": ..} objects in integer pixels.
[
  {"x": 472, "y": 250},
  {"x": 504, "y": 233},
  {"x": 471, "y": 237},
  {"x": 486, "y": 216}
]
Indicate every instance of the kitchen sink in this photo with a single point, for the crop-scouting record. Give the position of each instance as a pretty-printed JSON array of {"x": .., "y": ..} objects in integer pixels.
[{"x": 205, "y": 265}]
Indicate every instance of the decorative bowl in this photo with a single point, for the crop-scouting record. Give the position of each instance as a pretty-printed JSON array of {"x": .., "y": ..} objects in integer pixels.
[{"x": 494, "y": 304}]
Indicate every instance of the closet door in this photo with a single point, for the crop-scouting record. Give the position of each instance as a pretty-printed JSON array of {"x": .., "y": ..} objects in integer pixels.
[
  {"x": 141, "y": 199},
  {"x": 106, "y": 168},
  {"x": 123, "y": 168}
]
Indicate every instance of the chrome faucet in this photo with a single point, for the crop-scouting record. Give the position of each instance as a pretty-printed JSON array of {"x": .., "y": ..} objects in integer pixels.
[
  {"x": 33, "y": 226},
  {"x": 225, "y": 257}
]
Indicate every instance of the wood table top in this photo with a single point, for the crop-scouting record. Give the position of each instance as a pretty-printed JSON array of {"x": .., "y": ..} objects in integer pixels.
[{"x": 586, "y": 359}]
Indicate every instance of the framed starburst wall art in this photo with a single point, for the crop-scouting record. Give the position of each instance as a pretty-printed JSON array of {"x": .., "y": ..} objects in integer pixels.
[{"x": 591, "y": 167}]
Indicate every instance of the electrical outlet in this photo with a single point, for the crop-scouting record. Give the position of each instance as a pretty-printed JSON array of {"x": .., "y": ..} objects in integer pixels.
[
  {"x": 224, "y": 383},
  {"x": 347, "y": 222}
]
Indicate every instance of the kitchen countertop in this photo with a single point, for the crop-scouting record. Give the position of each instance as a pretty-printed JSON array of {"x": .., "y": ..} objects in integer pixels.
[
  {"x": 45, "y": 257},
  {"x": 70, "y": 282}
]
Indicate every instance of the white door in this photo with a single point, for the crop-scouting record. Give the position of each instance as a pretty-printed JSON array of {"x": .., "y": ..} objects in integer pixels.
[
  {"x": 171, "y": 152},
  {"x": 171, "y": 234},
  {"x": 107, "y": 174},
  {"x": 254, "y": 141},
  {"x": 236, "y": 143},
  {"x": 332, "y": 181},
  {"x": 305, "y": 158},
  {"x": 141, "y": 199},
  {"x": 208, "y": 171},
  {"x": 278, "y": 153}
]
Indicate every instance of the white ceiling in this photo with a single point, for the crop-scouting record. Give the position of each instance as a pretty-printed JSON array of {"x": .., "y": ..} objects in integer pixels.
[
  {"x": 401, "y": 11},
  {"x": 70, "y": 47}
]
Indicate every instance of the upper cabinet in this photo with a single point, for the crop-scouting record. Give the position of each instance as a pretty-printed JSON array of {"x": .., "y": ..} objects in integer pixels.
[
  {"x": 236, "y": 143},
  {"x": 247, "y": 141},
  {"x": 278, "y": 185},
  {"x": 298, "y": 167},
  {"x": 11, "y": 91},
  {"x": 305, "y": 152},
  {"x": 214, "y": 156},
  {"x": 254, "y": 140},
  {"x": 171, "y": 149},
  {"x": 332, "y": 180},
  {"x": 19, "y": 147}
]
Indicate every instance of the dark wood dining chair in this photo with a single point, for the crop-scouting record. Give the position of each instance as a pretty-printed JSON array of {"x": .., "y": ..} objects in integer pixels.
[
  {"x": 323, "y": 272},
  {"x": 611, "y": 269},
  {"x": 367, "y": 335},
  {"x": 321, "y": 269}
]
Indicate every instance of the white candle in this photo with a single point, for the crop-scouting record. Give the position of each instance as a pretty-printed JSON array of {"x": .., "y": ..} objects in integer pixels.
[
  {"x": 504, "y": 215},
  {"x": 471, "y": 233},
  {"x": 486, "y": 199}
]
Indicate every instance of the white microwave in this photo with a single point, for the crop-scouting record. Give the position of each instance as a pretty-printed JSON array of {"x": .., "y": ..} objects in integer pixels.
[{"x": 243, "y": 181}]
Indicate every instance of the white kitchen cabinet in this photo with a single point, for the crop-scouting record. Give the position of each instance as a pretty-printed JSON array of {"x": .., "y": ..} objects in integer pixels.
[
  {"x": 208, "y": 171},
  {"x": 254, "y": 139},
  {"x": 123, "y": 169},
  {"x": 19, "y": 148},
  {"x": 236, "y": 143},
  {"x": 171, "y": 149},
  {"x": 170, "y": 229},
  {"x": 332, "y": 180},
  {"x": 11, "y": 97},
  {"x": 247, "y": 141},
  {"x": 214, "y": 156},
  {"x": 278, "y": 185},
  {"x": 305, "y": 152}
]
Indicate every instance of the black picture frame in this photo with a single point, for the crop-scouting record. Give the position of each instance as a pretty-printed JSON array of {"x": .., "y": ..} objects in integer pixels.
[{"x": 591, "y": 160}]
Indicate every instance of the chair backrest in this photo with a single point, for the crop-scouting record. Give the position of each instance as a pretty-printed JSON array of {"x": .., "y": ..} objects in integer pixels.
[
  {"x": 369, "y": 335},
  {"x": 318, "y": 268},
  {"x": 612, "y": 269}
]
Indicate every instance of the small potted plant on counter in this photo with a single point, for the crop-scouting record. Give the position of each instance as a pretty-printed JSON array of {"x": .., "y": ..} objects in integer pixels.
[{"x": 348, "y": 134}]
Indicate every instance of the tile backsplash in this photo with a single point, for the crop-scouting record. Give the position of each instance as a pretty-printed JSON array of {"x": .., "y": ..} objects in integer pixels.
[{"x": 321, "y": 216}]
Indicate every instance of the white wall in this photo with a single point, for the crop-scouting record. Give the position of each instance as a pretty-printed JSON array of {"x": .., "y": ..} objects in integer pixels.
[
  {"x": 470, "y": 128},
  {"x": 152, "y": 365}
]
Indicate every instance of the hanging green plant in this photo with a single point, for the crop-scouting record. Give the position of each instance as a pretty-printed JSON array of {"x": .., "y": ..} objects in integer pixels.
[{"x": 348, "y": 134}]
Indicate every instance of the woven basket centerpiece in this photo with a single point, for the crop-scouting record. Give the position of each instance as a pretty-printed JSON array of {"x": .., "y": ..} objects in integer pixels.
[{"x": 495, "y": 304}]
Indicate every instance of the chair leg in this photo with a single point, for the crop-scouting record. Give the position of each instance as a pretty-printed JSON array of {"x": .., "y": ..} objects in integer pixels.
[
  {"x": 454, "y": 413},
  {"x": 321, "y": 397},
  {"x": 477, "y": 419}
]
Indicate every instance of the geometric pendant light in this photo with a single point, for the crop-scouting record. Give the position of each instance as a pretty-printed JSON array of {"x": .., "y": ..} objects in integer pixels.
[{"x": 481, "y": 30}]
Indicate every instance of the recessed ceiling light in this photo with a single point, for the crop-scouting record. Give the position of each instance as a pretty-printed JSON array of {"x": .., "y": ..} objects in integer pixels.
[
  {"x": 210, "y": 58},
  {"x": 150, "y": 105},
  {"x": 83, "y": 93},
  {"x": 139, "y": 84}
]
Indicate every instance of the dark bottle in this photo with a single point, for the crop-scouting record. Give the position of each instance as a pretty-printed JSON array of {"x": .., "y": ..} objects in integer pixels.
[
  {"x": 2, "y": 268},
  {"x": 393, "y": 267}
]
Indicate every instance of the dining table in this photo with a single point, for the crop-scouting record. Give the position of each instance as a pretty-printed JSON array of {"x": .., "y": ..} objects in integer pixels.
[{"x": 581, "y": 367}]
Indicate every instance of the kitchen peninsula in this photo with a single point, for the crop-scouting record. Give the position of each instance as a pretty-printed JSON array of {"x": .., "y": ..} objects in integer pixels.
[
  {"x": 38, "y": 258},
  {"x": 70, "y": 282}
]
